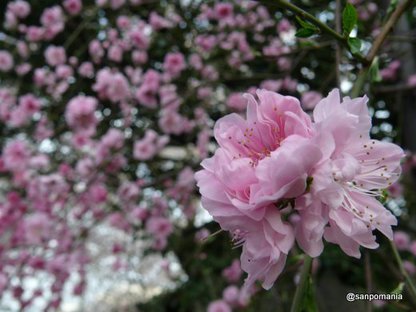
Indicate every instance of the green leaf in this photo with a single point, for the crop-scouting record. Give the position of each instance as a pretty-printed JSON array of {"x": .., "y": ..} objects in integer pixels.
[
  {"x": 305, "y": 24},
  {"x": 349, "y": 19},
  {"x": 305, "y": 32},
  {"x": 355, "y": 45},
  {"x": 392, "y": 6},
  {"x": 398, "y": 289},
  {"x": 374, "y": 71}
]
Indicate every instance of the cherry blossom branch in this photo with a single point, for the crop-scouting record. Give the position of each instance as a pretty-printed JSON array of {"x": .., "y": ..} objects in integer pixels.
[
  {"x": 361, "y": 78},
  {"x": 303, "y": 281},
  {"x": 411, "y": 287}
]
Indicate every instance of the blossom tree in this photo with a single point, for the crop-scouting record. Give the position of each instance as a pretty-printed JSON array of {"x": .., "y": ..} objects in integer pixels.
[{"x": 131, "y": 119}]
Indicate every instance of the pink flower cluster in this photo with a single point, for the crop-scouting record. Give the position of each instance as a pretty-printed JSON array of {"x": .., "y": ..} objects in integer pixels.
[{"x": 277, "y": 163}]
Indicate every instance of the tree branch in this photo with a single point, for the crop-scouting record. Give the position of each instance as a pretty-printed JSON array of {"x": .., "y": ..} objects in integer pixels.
[{"x": 400, "y": 9}]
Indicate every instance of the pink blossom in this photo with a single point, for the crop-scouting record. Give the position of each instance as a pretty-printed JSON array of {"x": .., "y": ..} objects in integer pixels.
[
  {"x": 123, "y": 22},
  {"x": 395, "y": 190},
  {"x": 171, "y": 122},
  {"x": 98, "y": 193},
  {"x": 219, "y": 306},
  {"x": 159, "y": 226},
  {"x": 233, "y": 273},
  {"x": 223, "y": 10},
  {"x": 310, "y": 99},
  {"x": 16, "y": 155},
  {"x": 411, "y": 81},
  {"x": 206, "y": 43},
  {"x": 333, "y": 179},
  {"x": 284, "y": 26},
  {"x": 139, "y": 57},
  {"x": 23, "y": 69},
  {"x": 139, "y": 38},
  {"x": 55, "y": 55},
  {"x": 37, "y": 227},
  {"x": 86, "y": 69},
  {"x": 409, "y": 267},
  {"x": 401, "y": 240},
  {"x": 115, "y": 53},
  {"x": 118, "y": 220},
  {"x": 391, "y": 71},
  {"x": 201, "y": 235},
  {"x": 174, "y": 63},
  {"x": 6, "y": 61},
  {"x": 112, "y": 86},
  {"x": 345, "y": 183},
  {"x": 35, "y": 33},
  {"x": 73, "y": 7},
  {"x": 19, "y": 8},
  {"x": 159, "y": 22},
  {"x": 96, "y": 50},
  {"x": 52, "y": 19},
  {"x": 231, "y": 295},
  {"x": 149, "y": 146},
  {"x": 29, "y": 103},
  {"x": 272, "y": 85},
  {"x": 275, "y": 129},
  {"x": 412, "y": 248},
  {"x": 80, "y": 113},
  {"x": 116, "y": 4},
  {"x": 128, "y": 192},
  {"x": 236, "y": 101}
]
